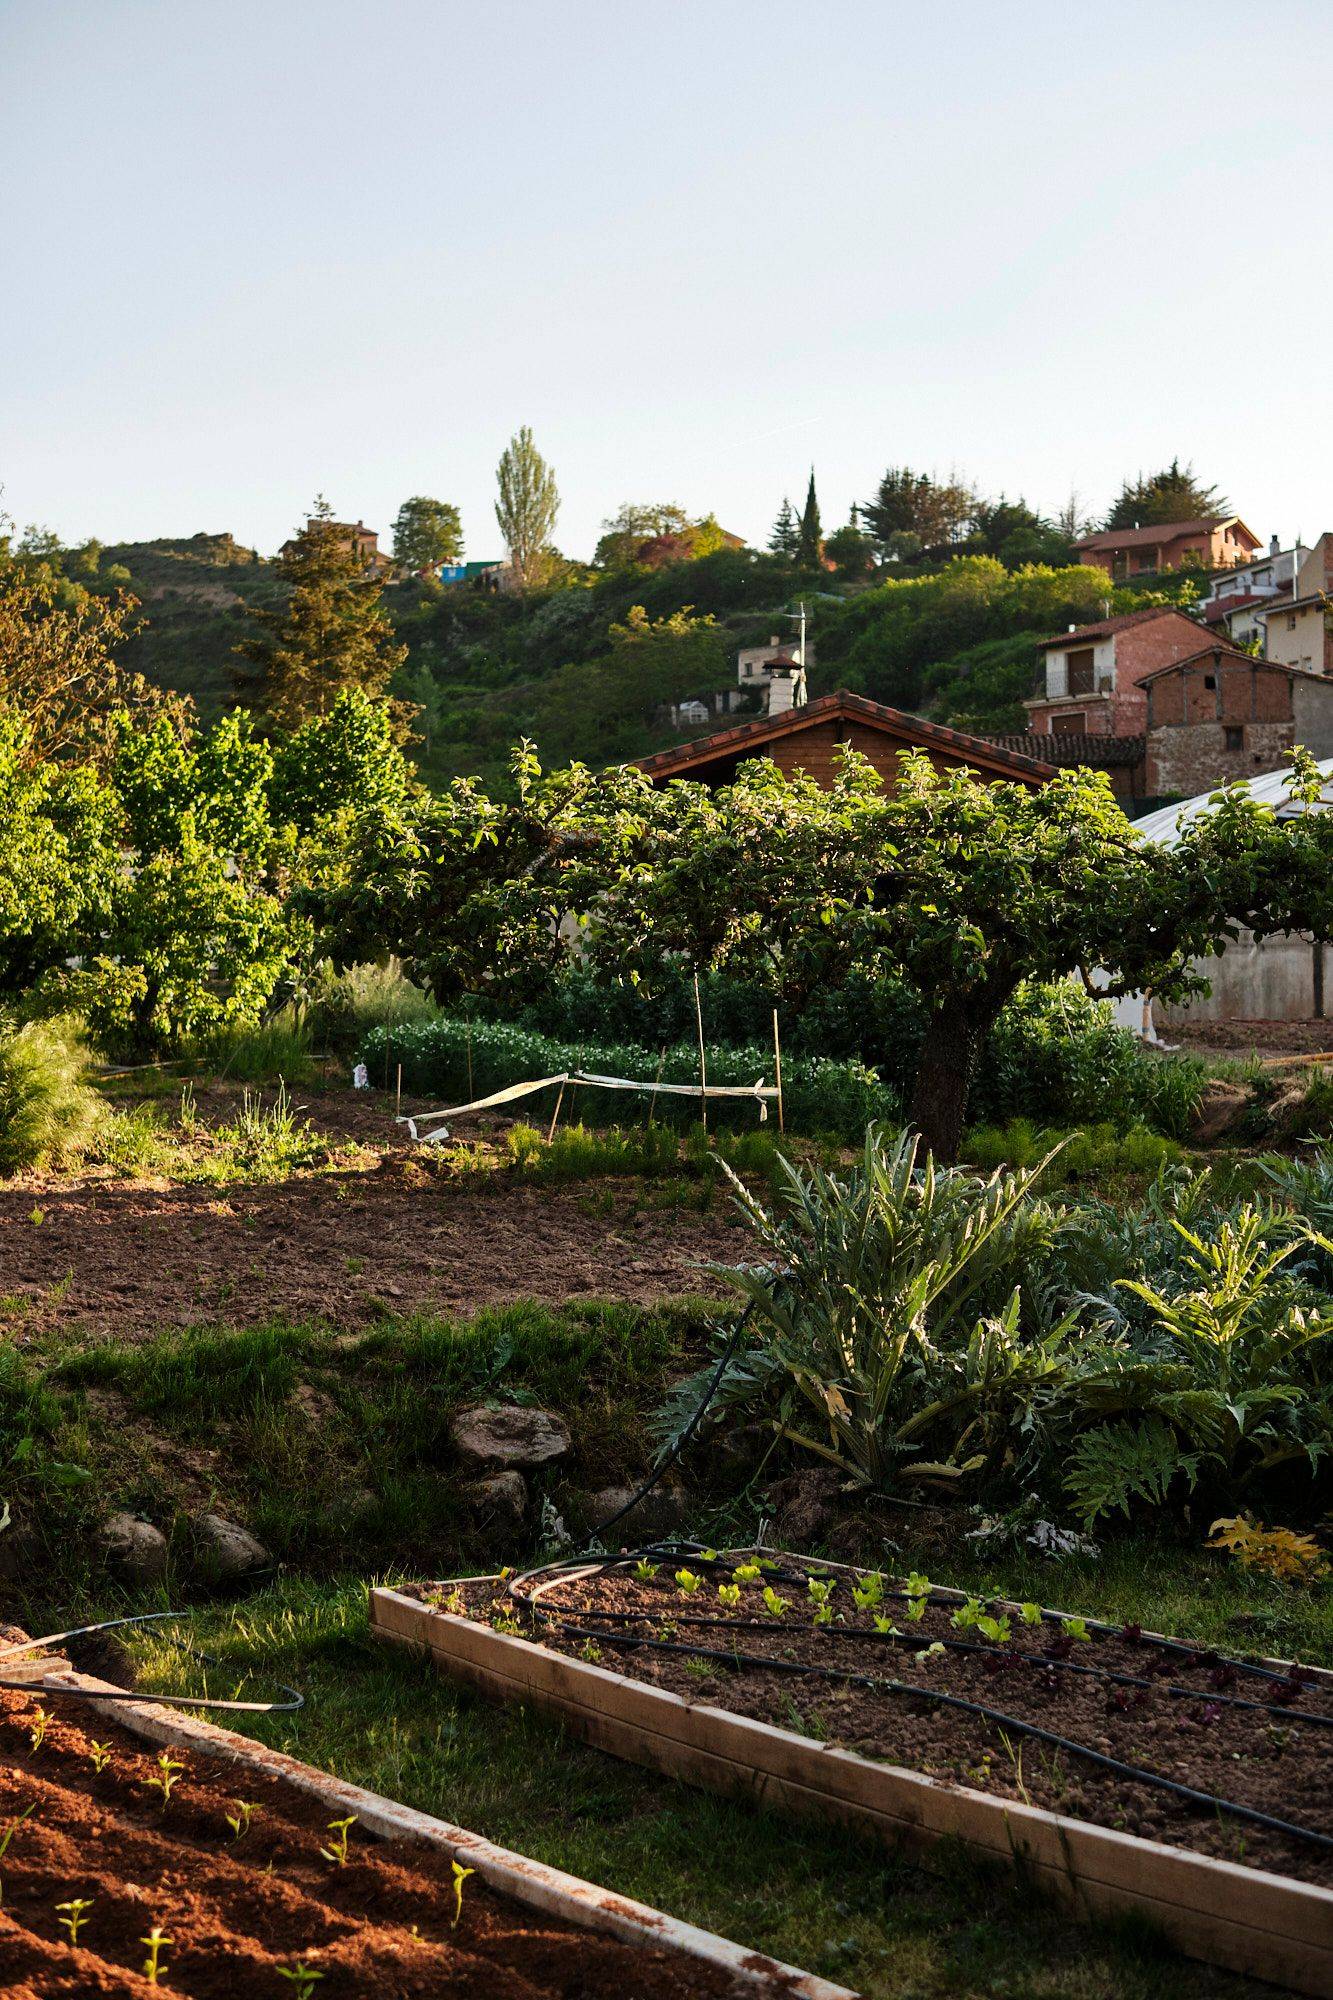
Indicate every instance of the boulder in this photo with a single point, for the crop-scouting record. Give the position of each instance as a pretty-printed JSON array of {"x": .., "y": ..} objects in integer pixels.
[
  {"x": 507, "y": 1437},
  {"x": 664, "y": 1511},
  {"x": 135, "y": 1549},
  {"x": 500, "y": 1501},
  {"x": 228, "y": 1550}
]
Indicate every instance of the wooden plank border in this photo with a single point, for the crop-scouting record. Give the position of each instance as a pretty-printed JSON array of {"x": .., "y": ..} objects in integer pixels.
[
  {"x": 1267, "y": 1926},
  {"x": 534, "y": 1884}
]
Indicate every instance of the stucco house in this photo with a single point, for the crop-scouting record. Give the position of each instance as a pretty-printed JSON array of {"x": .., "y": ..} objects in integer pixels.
[
  {"x": 1089, "y": 681},
  {"x": 1208, "y": 545}
]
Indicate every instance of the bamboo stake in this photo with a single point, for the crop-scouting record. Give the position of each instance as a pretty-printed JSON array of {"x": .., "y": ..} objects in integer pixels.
[
  {"x": 467, "y": 1041},
  {"x": 703, "y": 1067},
  {"x": 398, "y": 1107},
  {"x": 559, "y": 1100},
  {"x": 777, "y": 1067}
]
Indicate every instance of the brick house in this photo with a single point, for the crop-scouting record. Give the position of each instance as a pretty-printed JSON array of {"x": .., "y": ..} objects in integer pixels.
[
  {"x": 1208, "y": 545},
  {"x": 808, "y": 739},
  {"x": 1223, "y": 715},
  {"x": 361, "y": 541},
  {"x": 1089, "y": 679}
]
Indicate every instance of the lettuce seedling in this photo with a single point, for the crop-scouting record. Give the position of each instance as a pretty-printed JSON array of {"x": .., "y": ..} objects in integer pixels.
[
  {"x": 1030, "y": 1614},
  {"x": 729, "y": 1594},
  {"x": 883, "y": 1623},
  {"x": 868, "y": 1592},
  {"x": 1077, "y": 1628},
  {"x": 460, "y": 1877},
  {"x": 930, "y": 1652},
  {"x": 748, "y": 1572},
  {"x": 775, "y": 1604},
  {"x": 644, "y": 1570},
  {"x": 997, "y": 1630},
  {"x": 918, "y": 1585},
  {"x": 915, "y": 1609},
  {"x": 336, "y": 1851},
  {"x": 967, "y": 1614},
  {"x": 687, "y": 1582}
]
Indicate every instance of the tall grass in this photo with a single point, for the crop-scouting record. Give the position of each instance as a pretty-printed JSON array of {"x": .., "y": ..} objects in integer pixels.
[{"x": 49, "y": 1112}]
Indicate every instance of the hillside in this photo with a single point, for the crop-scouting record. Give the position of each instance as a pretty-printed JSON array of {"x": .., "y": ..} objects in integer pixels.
[{"x": 584, "y": 670}]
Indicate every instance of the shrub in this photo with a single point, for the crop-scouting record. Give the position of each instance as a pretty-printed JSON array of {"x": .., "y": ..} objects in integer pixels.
[
  {"x": 49, "y": 1112},
  {"x": 343, "y": 1007},
  {"x": 463, "y": 1059},
  {"x": 278, "y": 1048}
]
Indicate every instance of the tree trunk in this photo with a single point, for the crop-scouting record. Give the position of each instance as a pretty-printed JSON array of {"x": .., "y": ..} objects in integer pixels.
[{"x": 943, "y": 1074}]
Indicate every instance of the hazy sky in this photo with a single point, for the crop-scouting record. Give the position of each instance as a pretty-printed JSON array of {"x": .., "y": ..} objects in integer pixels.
[{"x": 252, "y": 251}]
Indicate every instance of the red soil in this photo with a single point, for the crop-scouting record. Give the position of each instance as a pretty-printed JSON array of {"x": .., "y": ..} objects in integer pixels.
[{"x": 236, "y": 1911}]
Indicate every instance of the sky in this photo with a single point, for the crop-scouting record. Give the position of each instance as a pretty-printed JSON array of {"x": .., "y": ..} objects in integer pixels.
[{"x": 258, "y": 251}]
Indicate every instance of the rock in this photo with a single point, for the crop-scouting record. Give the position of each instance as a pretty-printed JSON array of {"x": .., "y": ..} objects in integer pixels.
[
  {"x": 804, "y": 1507},
  {"x": 135, "y": 1549},
  {"x": 665, "y": 1511},
  {"x": 229, "y": 1551},
  {"x": 1221, "y": 1109},
  {"x": 500, "y": 1501},
  {"x": 508, "y": 1436}
]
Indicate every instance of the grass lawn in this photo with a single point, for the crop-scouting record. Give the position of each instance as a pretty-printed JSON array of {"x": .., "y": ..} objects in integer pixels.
[{"x": 816, "y": 1896}]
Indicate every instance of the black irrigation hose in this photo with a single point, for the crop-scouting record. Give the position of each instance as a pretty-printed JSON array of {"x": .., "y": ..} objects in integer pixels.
[
  {"x": 551, "y": 1574},
  {"x": 18, "y": 1651},
  {"x": 918, "y": 1643}
]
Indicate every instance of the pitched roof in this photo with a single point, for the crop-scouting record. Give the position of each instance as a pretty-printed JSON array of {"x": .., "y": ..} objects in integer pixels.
[
  {"x": 751, "y": 739},
  {"x": 1105, "y": 626},
  {"x": 1074, "y": 747},
  {"x": 1220, "y": 652},
  {"x": 1165, "y": 531}
]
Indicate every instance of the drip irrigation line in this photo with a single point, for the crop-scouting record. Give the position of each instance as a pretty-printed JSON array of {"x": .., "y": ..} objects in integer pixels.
[
  {"x": 547, "y": 1576},
  {"x": 918, "y": 1642},
  {"x": 15, "y": 1650}
]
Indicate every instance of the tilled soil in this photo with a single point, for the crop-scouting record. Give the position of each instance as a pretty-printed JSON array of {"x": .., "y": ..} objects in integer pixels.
[
  {"x": 343, "y": 1248},
  {"x": 1277, "y": 1759},
  {"x": 241, "y": 1912}
]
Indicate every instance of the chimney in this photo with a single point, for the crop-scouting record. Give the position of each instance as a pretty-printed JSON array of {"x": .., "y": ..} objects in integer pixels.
[
  {"x": 1073, "y": 627},
  {"x": 1274, "y": 546}
]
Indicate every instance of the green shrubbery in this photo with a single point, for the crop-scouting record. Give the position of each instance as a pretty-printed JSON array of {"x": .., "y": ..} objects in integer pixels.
[
  {"x": 459, "y": 1060},
  {"x": 49, "y": 1112}
]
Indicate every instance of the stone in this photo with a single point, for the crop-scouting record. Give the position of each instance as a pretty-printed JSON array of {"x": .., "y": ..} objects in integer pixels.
[
  {"x": 500, "y": 1501},
  {"x": 228, "y": 1550},
  {"x": 664, "y": 1511},
  {"x": 508, "y": 1436},
  {"x": 135, "y": 1549}
]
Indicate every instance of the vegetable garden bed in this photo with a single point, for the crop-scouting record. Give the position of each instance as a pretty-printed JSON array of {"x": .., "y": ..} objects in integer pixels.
[
  {"x": 239, "y": 1869},
  {"x": 1122, "y": 1770}
]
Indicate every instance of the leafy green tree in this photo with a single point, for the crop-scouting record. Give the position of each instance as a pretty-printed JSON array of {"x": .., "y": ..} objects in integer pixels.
[
  {"x": 785, "y": 540},
  {"x": 59, "y": 668},
  {"x": 1173, "y": 494},
  {"x": 625, "y": 532},
  {"x": 59, "y": 859},
  {"x": 339, "y": 766},
  {"x": 851, "y": 550},
  {"x": 1015, "y": 534},
  {"x": 332, "y": 633},
  {"x": 426, "y": 533},
  {"x": 526, "y": 509},
  {"x": 810, "y": 545},
  {"x": 911, "y": 503}
]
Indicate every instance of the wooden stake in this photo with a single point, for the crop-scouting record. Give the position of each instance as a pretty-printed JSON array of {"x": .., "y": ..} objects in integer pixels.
[
  {"x": 777, "y": 1067},
  {"x": 559, "y": 1100},
  {"x": 398, "y": 1108},
  {"x": 703, "y": 1067},
  {"x": 467, "y": 1040},
  {"x": 652, "y": 1102}
]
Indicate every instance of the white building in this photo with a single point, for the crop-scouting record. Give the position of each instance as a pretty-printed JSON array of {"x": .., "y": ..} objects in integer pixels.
[{"x": 776, "y": 673}]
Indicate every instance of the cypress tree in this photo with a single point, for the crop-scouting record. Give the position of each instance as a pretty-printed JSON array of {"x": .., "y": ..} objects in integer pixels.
[{"x": 811, "y": 548}]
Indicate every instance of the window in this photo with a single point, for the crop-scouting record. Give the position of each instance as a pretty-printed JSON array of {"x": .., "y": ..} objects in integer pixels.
[
  {"x": 1079, "y": 664},
  {"x": 1210, "y": 680},
  {"x": 1233, "y": 738},
  {"x": 1073, "y": 722}
]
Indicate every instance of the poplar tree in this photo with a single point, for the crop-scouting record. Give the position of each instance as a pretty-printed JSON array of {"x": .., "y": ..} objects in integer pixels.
[
  {"x": 332, "y": 634},
  {"x": 526, "y": 509}
]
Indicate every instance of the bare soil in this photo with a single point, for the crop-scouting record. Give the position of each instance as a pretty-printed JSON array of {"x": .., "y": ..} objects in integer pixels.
[
  {"x": 1276, "y": 1759},
  {"x": 1265, "y": 1039},
  {"x": 239, "y": 1912},
  {"x": 392, "y": 1233}
]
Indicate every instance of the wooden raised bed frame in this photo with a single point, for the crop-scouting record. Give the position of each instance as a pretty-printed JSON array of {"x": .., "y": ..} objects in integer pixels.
[
  {"x": 532, "y": 1883},
  {"x": 1250, "y": 1921}
]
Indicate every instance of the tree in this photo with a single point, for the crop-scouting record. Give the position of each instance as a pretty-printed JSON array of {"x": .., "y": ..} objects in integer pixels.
[
  {"x": 851, "y": 550},
  {"x": 912, "y": 503},
  {"x": 526, "y": 509},
  {"x": 625, "y": 531},
  {"x": 1162, "y": 497},
  {"x": 332, "y": 633},
  {"x": 1015, "y": 534},
  {"x": 427, "y": 533},
  {"x": 810, "y": 546},
  {"x": 58, "y": 664},
  {"x": 59, "y": 859},
  {"x": 785, "y": 540}
]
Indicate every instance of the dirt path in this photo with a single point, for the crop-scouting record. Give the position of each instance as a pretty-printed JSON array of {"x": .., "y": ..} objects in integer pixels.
[{"x": 340, "y": 1247}]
